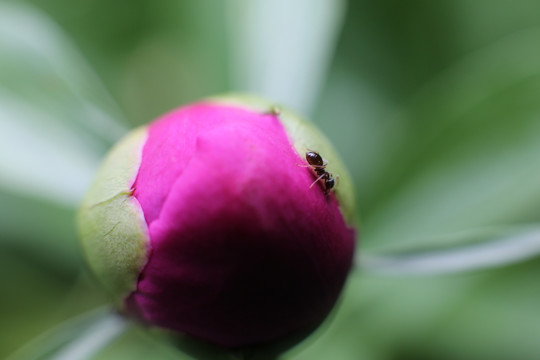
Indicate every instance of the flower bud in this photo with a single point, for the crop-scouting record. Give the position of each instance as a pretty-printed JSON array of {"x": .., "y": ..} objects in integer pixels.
[{"x": 211, "y": 222}]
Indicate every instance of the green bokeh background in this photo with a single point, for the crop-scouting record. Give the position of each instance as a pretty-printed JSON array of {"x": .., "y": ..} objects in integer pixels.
[{"x": 434, "y": 106}]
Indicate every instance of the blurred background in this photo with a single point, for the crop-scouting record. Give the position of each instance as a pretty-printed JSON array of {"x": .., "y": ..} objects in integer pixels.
[{"x": 434, "y": 106}]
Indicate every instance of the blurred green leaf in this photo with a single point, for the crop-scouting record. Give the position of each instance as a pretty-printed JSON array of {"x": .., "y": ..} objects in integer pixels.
[
  {"x": 102, "y": 335},
  {"x": 41, "y": 229},
  {"x": 143, "y": 343},
  {"x": 36, "y": 295},
  {"x": 181, "y": 58},
  {"x": 461, "y": 252},
  {"x": 469, "y": 157},
  {"x": 65, "y": 339},
  {"x": 497, "y": 320},
  {"x": 137, "y": 344},
  {"x": 485, "y": 315},
  {"x": 281, "y": 49},
  {"x": 58, "y": 115}
]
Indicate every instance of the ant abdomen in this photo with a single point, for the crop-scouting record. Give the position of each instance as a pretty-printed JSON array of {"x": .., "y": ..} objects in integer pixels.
[{"x": 329, "y": 183}]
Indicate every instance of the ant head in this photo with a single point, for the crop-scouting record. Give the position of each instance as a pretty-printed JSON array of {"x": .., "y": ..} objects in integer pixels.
[{"x": 314, "y": 159}]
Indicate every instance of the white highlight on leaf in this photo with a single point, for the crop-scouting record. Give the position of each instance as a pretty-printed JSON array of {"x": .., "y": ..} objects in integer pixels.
[
  {"x": 56, "y": 117},
  {"x": 281, "y": 49},
  {"x": 500, "y": 252},
  {"x": 94, "y": 339},
  {"x": 40, "y": 157},
  {"x": 35, "y": 43}
]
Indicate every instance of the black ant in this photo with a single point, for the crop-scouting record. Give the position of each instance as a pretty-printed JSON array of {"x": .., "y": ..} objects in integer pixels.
[
  {"x": 318, "y": 164},
  {"x": 274, "y": 111}
]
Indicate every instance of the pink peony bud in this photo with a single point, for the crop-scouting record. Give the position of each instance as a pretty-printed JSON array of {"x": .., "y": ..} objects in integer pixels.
[{"x": 205, "y": 223}]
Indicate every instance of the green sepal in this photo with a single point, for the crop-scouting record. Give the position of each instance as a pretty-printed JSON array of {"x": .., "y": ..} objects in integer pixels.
[{"x": 113, "y": 231}]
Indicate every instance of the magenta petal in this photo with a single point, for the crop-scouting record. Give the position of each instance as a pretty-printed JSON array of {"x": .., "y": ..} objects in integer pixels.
[{"x": 243, "y": 251}]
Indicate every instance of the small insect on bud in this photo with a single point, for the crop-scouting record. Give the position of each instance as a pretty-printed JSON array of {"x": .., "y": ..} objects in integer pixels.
[
  {"x": 318, "y": 164},
  {"x": 187, "y": 227}
]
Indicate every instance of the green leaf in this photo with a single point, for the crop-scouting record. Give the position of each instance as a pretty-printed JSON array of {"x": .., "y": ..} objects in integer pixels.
[
  {"x": 76, "y": 339},
  {"x": 469, "y": 156},
  {"x": 272, "y": 60},
  {"x": 42, "y": 229},
  {"x": 465, "y": 251},
  {"x": 102, "y": 335},
  {"x": 137, "y": 344},
  {"x": 56, "y": 115}
]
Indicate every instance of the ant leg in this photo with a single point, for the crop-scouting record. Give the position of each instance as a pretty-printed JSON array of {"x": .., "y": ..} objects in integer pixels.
[
  {"x": 319, "y": 178},
  {"x": 314, "y": 167}
]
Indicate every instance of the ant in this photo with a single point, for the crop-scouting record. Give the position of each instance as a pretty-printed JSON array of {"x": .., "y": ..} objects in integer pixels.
[
  {"x": 274, "y": 111},
  {"x": 318, "y": 164}
]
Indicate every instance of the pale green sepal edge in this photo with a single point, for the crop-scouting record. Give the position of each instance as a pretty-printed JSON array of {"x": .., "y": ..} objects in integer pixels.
[
  {"x": 304, "y": 136},
  {"x": 112, "y": 228}
]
